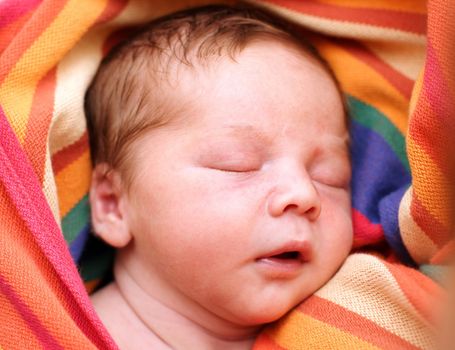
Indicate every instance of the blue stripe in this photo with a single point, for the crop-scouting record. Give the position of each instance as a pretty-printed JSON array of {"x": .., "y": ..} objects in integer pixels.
[
  {"x": 78, "y": 244},
  {"x": 376, "y": 171}
]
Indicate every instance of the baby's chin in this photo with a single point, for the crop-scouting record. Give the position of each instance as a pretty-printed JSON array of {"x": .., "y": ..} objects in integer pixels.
[{"x": 257, "y": 312}]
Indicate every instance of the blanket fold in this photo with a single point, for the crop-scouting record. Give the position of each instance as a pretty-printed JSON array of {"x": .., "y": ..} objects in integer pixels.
[{"x": 393, "y": 61}]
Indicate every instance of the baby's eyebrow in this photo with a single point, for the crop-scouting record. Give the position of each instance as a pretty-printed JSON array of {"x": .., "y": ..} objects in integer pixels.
[{"x": 248, "y": 131}]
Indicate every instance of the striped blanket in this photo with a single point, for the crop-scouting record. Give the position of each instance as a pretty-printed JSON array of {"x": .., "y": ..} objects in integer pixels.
[{"x": 392, "y": 60}]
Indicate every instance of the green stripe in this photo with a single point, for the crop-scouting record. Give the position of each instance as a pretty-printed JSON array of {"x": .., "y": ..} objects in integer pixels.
[
  {"x": 371, "y": 118},
  {"x": 437, "y": 273},
  {"x": 76, "y": 220},
  {"x": 97, "y": 267},
  {"x": 96, "y": 262}
]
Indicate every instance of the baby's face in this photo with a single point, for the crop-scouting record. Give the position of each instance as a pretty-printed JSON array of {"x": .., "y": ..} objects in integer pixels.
[{"x": 244, "y": 208}]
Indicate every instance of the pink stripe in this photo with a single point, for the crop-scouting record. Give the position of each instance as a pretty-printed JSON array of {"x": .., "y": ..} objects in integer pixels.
[
  {"x": 24, "y": 190},
  {"x": 10, "y": 10},
  {"x": 433, "y": 131},
  {"x": 29, "y": 317},
  {"x": 437, "y": 90}
]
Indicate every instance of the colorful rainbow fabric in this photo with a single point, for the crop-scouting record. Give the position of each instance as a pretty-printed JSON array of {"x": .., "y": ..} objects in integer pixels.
[{"x": 392, "y": 61}]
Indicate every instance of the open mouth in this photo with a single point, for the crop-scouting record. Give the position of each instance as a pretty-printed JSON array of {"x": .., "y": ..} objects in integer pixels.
[
  {"x": 286, "y": 261},
  {"x": 292, "y": 255}
]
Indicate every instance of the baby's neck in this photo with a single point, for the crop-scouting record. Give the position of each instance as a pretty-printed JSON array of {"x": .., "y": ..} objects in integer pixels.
[{"x": 139, "y": 319}]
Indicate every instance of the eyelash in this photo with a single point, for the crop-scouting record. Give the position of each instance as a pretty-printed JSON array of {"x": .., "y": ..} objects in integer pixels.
[
  {"x": 342, "y": 183},
  {"x": 234, "y": 170}
]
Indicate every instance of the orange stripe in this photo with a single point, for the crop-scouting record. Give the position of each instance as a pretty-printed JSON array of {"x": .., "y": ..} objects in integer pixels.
[
  {"x": 70, "y": 153},
  {"x": 403, "y": 84},
  {"x": 13, "y": 324},
  {"x": 36, "y": 325},
  {"x": 41, "y": 19},
  {"x": 439, "y": 234},
  {"x": 437, "y": 113},
  {"x": 73, "y": 183},
  {"x": 344, "y": 319},
  {"x": 361, "y": 81},
  {"x": 38, "y": 123},
  {"x": 41, "y": 288},
  {"x": 300, "y": 331},
  {"x": 422, "y": 292},
  {"x": 408, "y": 22}
]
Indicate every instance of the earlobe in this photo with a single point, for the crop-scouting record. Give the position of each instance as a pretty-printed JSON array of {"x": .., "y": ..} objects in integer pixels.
[{"x": 109, "y": 219}]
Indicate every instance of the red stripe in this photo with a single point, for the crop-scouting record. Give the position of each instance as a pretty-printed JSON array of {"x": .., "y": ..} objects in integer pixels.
[
  {"x": 402, "y": 83},
  {"x": 116, "y": 37},
  {"x": 22, "y": 186},
  {"x": 70, "y": 153},
  {"x": 437, "y": 92},
  {"x": 38, "y": 23},
  {"x": 352, "y": 323},
  {"x": 422, "y": 292},
  {"x": 390, "y": 19},
  {"x": 8, "y": 32},
  {"x": 112, "y": 9},
  {"x": 432, "y": 125},
  {"x": 265, "y": 342},
  {"x": 34, "y": 324},
  {"x": 36, "y": 137},
  {"x": 12, "y": 10},
  {"x": 365, "y": 232},
  {"x": 431, "y": 128},
  {"x": 435, "y": 231}
]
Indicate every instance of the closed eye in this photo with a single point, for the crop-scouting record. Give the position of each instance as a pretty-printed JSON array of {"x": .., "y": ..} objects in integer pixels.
[
  {"x": 334, "y": 175},
  {"x": 235, "y": 168}
]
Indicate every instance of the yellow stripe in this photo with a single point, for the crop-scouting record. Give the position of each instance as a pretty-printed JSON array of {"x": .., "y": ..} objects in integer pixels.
[
  {"x": 429, "y": 183},
  {"x": 417, "y": 89},
  {"x": 408, "y": 59},
  {"x": 73, "y": 183},
  {"x": 299, "y": 331},
  {"x": 410, "y": 6},
  {"x": 365, "y": 286},
  {"x": 364, "y": 83},
  {"x": 16, "y": 93},
  {"x": 419, "y": 245}
]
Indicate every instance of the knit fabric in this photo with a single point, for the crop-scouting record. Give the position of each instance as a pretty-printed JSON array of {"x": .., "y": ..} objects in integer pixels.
[{"x": 392, "y": 60}]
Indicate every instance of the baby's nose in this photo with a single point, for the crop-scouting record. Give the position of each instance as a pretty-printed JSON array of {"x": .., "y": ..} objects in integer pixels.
[{"x": 296, "y": 194}]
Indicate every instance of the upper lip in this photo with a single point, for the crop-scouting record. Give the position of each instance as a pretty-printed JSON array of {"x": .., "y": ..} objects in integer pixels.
[{"x": 303, "y": 248}]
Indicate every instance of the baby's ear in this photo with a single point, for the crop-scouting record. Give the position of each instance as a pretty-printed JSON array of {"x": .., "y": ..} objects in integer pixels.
[{"x": 107, "y": 206}]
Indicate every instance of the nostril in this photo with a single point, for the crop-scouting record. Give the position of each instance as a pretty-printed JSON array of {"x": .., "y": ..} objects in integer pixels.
[
  {"x": 313, "y": 212},
  {"x": 299, "y": 200}
]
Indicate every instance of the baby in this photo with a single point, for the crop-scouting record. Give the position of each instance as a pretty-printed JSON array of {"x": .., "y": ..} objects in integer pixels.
[{"x": 221, "y": 176}]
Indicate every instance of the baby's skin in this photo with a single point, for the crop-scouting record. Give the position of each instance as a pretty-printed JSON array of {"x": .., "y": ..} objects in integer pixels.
[{"x": 236, "y": 213}]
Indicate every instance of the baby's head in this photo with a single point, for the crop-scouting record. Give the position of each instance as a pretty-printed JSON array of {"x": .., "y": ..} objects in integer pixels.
[{"x": 221, "y": 165}]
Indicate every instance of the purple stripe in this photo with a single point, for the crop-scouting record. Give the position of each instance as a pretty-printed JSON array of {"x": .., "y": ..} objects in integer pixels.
[
  {"x": 29, "y": 317},
  {"x": 10, "y": 10},
  {"x": 377, "y": 172}
]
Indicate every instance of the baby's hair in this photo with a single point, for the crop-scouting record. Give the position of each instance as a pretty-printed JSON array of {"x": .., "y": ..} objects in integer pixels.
[{"x": 127, "y": 96}]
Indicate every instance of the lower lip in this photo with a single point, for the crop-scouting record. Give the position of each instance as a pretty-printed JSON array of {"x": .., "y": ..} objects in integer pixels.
[{"x": 280, "y": 268}]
